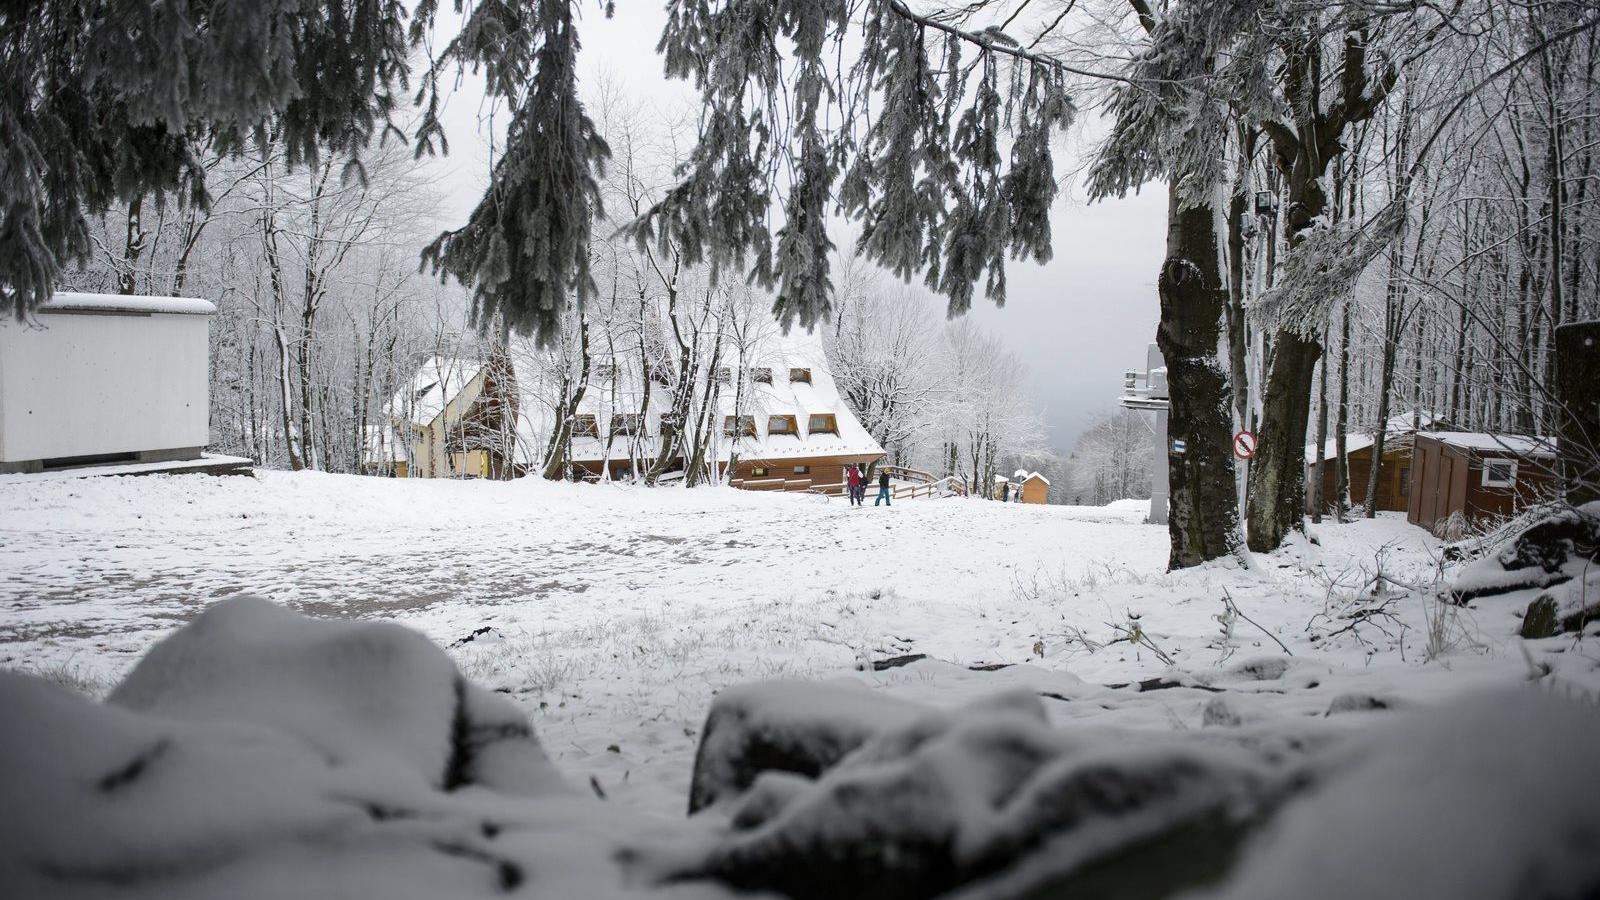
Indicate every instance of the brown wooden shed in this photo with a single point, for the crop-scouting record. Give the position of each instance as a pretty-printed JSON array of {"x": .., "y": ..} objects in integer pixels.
[
  {"x": 1481, "y": 476},
  {"x": 1394, "y": 478}
]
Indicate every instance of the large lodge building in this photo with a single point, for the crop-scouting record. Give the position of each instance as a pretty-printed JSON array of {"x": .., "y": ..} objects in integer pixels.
[{"x": 780, "y": 418}]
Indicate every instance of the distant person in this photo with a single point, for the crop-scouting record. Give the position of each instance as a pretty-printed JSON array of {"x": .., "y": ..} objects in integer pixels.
[
  {"x": 883, "y": 490},
  {"x": 1005, "y": 492},
  {"x": 853, "y": 482}
]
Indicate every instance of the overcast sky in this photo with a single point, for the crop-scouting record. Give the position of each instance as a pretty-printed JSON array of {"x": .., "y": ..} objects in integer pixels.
[{"x": 1078, "y": 321}]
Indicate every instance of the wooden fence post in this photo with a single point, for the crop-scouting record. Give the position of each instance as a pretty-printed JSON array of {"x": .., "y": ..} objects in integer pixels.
[{"x": 1577, "y": 386}]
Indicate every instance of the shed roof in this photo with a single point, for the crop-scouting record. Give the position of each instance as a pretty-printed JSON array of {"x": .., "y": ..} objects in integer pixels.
[
  {"x": 67, "y": 301},
  {"x": 1483, "y": 442}
]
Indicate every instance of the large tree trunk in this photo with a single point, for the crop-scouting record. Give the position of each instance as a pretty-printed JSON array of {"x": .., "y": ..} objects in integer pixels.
[
  {"x": 1203, "y": 518},
  {"x": 1278, "y": 473}
]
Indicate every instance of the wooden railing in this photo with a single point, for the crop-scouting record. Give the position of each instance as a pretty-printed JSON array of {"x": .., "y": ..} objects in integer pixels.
[{"x": 934, "y": 487}]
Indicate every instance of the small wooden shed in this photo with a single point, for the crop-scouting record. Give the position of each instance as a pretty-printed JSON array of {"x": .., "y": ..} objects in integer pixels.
[
  {"x": 1481, "y": 476},
  {"x": 1035, "y": 488}
]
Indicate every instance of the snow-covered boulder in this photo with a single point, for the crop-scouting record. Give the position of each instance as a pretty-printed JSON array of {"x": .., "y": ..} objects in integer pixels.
[
  {"x": 353, "y": 690},
  {"x": 958, "y": 798},
  {"x": 780, "y": 726},
  {"x": 257, "y": 753},
  {"x": 1483, "y": 799}
]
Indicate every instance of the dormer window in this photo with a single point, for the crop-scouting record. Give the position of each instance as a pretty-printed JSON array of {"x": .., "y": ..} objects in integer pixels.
[
  {"x": 606, "y": 371},
  {"x": 584, "y": 425},
  {"x": 799, "y": 376},
  {"x": 822, "y": 423},
  {"x": 724, "y": 374},
  {"x": 626, "y": 423},
  {"x": 781, "y": 425},
  {"x": 741, "y": 426},
  {"x": 761, "y": 376}
]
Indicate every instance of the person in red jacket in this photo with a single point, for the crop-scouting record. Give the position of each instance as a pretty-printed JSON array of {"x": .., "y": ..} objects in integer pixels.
[{"x": 853, "y": 480}]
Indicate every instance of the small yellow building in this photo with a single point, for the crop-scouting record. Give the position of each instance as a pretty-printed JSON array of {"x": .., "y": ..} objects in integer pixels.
[
  {"x": 1024, "y": 487},
  {"x": 1035, "y": 488},
  {"x": 446, "y": 423}
]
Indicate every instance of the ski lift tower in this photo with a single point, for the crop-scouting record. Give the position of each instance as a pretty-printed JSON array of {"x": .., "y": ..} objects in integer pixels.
[{"x": 1147, "y": 390}]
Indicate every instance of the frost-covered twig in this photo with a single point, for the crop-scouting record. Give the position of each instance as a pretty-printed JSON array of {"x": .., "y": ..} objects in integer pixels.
[{"x": 1228, "y": 599}]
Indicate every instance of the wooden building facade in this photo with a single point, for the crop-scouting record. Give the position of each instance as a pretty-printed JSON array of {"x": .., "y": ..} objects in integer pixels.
[{"x": 1481, "y": 477}]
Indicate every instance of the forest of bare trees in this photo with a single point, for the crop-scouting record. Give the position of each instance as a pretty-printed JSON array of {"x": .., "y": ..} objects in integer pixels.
[{"x": 1375, "y": 210}]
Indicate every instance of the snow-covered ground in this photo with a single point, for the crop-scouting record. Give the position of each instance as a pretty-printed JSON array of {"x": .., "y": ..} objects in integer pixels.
[{"x": 618, "y": 613}]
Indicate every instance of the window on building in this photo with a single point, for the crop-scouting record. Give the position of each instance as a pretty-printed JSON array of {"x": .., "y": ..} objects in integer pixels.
[
  {"x": 759, "y": 471},
  {"x": 761, "y": 376},
  {"x": 626, "y": 423},
  {"x": 1499, "y": 472},
  {"x": 743, "y": 426},
  {"x": 781, "y": 425},
  {"x": 584, "y": 425},
  {"x": 822, "y": 423},
  {"x": 606, "y": 371},
  {"x": 802, "y": 376},
  {"x": 1405, "y": 481},
  {"x": 724, "y": 374},
  {"x": 802, "y": 470}
]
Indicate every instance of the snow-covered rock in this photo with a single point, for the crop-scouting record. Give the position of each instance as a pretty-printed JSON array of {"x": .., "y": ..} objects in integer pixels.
[
  {"x": 370, "y": 691},
  {"x": 257, "y": 753},
  {"x": 1484, "y": 798},
  {"x": 954, "y": 798},
  {"x": 779, "y": 726}
]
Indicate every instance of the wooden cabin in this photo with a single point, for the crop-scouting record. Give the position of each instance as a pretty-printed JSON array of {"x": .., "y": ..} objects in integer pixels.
[
  {"x": 1035, "y": 488},
  {"x": 780, "y": 421},
  {"x": 1482, "y": 477},
  {"x": 1394, "y": 476},
  {"x": 1023, "y": 487}
]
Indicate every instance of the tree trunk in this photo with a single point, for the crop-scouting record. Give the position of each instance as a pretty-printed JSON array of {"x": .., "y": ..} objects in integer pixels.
[
  {"x": 133, "y": 248},
  {"x": 1577, "y": 386},
  {"x": 1278, "y": 473},
  {"x": 1203, "y": 518}
]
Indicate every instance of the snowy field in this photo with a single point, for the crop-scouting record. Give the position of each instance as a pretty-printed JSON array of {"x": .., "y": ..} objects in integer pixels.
[{"x": 617, "y": 614}]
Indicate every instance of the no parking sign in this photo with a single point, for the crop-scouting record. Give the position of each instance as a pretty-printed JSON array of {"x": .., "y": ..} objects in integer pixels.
[{"x": 1244, "y": 444}]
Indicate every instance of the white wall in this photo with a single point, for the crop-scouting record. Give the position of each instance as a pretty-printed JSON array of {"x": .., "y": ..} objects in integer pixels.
[{"x": 105, "y": 375}]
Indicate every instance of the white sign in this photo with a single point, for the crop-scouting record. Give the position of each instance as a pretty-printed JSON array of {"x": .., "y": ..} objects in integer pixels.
[{"x": 1179, "y": 447}]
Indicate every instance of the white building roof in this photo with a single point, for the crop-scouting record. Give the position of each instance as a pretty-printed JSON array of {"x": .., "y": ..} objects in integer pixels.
[
  {"x": 126, "y": 303},
  {"x": 779, "y": 353},
  {"x": 1361, "y": 440},
  {"x": 437, "y": 380},
  {"x": 1480, "y": 442}
]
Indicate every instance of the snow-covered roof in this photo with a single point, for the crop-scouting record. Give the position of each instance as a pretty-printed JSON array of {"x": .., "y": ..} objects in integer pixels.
[
  {"x": 125, "y": 303},
  {"x": 1400, "y": 424},
  {"x": 1481, "y": 442},
  {"x": 621, "y": 393},
  {"x": 438, "y": 380}
]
